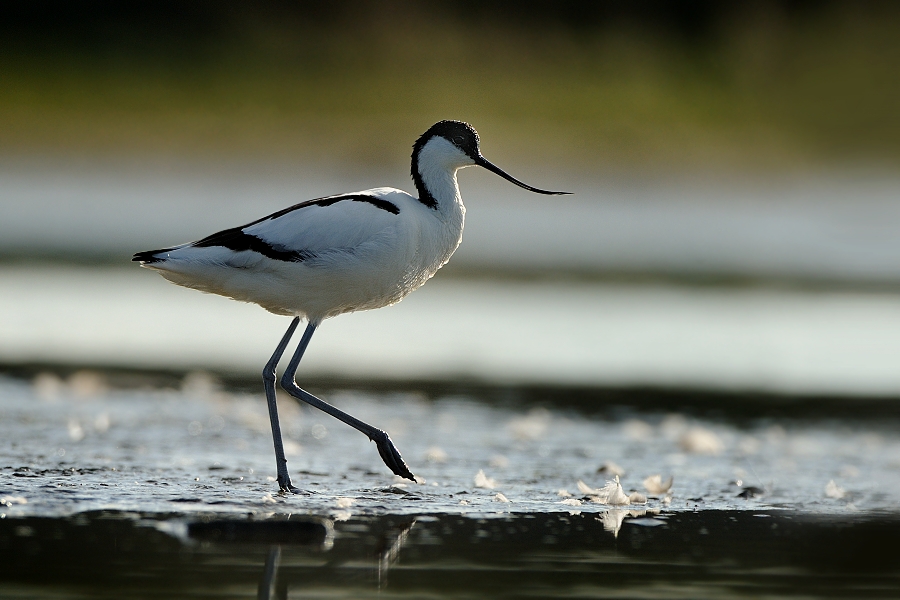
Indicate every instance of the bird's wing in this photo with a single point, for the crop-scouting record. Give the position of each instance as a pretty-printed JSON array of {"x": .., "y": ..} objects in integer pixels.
[{"x": 313, "y": 229}]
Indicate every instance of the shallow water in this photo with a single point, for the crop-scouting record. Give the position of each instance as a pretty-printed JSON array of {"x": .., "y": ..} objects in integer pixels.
[
  {"x": 166, "y": 490},
  {"x": 76, "y": 446},
  {"x": 704, "y": 554}
]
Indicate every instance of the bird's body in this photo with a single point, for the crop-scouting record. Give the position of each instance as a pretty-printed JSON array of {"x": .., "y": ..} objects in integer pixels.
[
  {"x": 324, "y": 257},
  {"x": 338, "y": 254}
]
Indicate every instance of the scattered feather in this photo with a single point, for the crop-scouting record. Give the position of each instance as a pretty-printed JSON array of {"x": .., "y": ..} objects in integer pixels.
[
  {"x": 344, "y": 502},
  {"x": 638, "y": 430},
  {"x": 199, "y": 384},
  {"x": 615, "y": 494},
  {"x": 612, "y": 493},
  {"x": 101, "y": 422},
  {"x": 87, "y": 384},
  {"x": 655, "y": 485},
  {"x": 563, "y": 494},
  {"x": 498, "y": 461},
  {"x": 698, "y": 440},
  {"x": 833, "y": 490},
  {"x": 483, "y": 481},
  {"x": 10, "y": 500},
  {"x": 76, "y": 431},
  {"x": 292, "y": 448},
  {"x": 585, "y": 489},
  {"x": 47, "y": 386},
  {"x": 571, "y": 502},
  {"x": 637, "y": 498},
  {"x": 672, "y": 426},
  {"x": 435, "y": 455},
  {"x": 612, "y": 469},
  {"x": 532, "y": 426},
  {"x": 500, "y": 498}
]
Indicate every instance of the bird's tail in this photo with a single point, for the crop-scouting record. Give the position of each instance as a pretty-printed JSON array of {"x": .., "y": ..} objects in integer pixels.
[{"x": 148, "y": 257}]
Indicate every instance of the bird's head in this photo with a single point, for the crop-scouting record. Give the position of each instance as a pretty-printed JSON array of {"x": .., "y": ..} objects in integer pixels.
[{"x": 453, "y": 145}]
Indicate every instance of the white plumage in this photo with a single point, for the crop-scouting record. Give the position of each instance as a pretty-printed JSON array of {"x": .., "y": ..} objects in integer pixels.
[
  {"x": 356, "y": 256},
  {"x": 338, "y": 254}
]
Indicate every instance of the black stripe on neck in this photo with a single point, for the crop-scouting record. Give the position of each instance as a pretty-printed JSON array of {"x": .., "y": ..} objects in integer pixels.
[{"x": 425, "y": 196}]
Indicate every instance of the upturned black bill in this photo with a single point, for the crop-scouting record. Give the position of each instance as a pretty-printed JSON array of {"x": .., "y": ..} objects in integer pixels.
[{"x": 483, "y": 162}]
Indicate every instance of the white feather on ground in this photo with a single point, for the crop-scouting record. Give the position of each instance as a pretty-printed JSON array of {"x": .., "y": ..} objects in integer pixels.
[
  {"x": 655, "y": 485},
  {"x": 611, "y": 494}
]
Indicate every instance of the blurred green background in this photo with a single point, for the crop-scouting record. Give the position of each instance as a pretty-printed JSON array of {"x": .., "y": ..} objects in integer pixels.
[
  {"x": 600, "y": 87},
  {"x": 734, "y": 169}
]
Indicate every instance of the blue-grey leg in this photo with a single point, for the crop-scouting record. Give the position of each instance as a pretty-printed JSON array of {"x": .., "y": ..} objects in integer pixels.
[
  {"x": 269, "y": 377},
  {"x": 386, "y": 448}
]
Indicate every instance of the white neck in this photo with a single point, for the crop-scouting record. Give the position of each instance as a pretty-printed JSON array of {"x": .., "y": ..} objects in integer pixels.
[{"x": 437, "y": 163}]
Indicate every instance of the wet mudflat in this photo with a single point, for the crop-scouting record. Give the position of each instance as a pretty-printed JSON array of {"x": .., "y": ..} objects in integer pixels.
[{"x": 163, "y": 487}]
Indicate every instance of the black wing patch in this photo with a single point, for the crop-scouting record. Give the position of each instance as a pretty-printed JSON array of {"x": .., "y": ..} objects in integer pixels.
[
  {"x": 235, "y": 239},
  {"x": 328, "y": 201}
]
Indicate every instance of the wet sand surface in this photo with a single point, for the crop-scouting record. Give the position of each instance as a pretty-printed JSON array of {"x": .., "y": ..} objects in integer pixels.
[{"x": 163, "y": 487}]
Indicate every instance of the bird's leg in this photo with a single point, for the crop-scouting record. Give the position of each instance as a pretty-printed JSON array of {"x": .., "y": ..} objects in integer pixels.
[
  {"x": 389, "y": 453},
  {"x": 284, "y": 479}
]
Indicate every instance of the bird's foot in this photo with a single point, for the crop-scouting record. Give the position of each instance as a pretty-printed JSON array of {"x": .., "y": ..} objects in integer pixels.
[
  {"x": 286, "y": 487},
  {"x": 391, "y": 456}
]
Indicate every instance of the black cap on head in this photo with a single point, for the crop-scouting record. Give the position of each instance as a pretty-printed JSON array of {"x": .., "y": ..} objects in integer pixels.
[{"x": 460, "y": 134}]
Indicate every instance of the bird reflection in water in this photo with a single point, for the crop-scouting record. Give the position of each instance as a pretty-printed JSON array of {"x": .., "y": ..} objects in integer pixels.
[
  {"x": 389, "y": 551},
  {"x": 314, "y": 534},
  {"x": 268, "y": 589}
]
